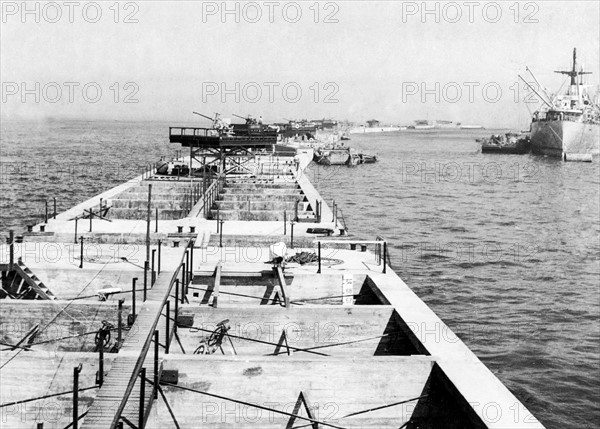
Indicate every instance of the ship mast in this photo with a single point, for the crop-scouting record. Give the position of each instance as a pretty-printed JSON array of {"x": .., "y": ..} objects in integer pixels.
[{"x": 573, "y": 73}]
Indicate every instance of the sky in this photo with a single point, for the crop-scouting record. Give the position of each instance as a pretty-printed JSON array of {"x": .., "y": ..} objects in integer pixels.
[{"x": 356, "y": 60}]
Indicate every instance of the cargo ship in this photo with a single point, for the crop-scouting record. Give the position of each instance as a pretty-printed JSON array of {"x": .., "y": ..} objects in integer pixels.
[
  {"x": 568, "y": 125},
  {"x": 233, "y": 296}
]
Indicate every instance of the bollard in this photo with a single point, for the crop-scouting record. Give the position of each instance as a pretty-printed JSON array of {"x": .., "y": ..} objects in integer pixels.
[
  {"x": 76, "y": 371},
  {"x": 145, "y": 279},
  {"x": 179, "y": 229},
  {"x": 168, "y": 325},
  {"x": 81, "y": 253},
  {"x": 29, "y": 228},
  {"x": 319, "y": 257},
  {"x": 142, "y": 398},
  {"x": 42, "y": 228}
]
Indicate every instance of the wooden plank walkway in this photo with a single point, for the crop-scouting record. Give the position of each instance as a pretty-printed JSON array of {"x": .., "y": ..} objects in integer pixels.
[{"x": 103, "y": 413}]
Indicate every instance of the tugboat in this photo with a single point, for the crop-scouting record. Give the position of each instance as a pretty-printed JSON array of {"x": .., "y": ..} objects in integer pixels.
[
  {"x": 509, "y": 143},
  {"x": 568, "y": 125}
]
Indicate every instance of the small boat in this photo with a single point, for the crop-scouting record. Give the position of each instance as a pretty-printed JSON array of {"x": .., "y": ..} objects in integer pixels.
[
  {"x": 342, "y": 156},
  {"x": 344, "y": 137},
  {"x": 509, "y": 143}
]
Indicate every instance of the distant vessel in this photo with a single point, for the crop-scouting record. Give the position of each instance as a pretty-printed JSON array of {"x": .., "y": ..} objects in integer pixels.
[
  {"x": 424, "y": 124},
  {"x": 569, "y": 124},
  {"x": 373, "y": 126},
  {"x": 470, "y": 126}
]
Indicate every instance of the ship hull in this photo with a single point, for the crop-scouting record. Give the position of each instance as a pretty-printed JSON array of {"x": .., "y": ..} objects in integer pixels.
[{"x": 555, "y": 138}]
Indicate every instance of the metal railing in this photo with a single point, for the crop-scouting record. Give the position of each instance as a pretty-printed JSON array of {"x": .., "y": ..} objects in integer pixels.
[
  {"x": 381, "y": 250},
  {"x": 139, "y": 369}
]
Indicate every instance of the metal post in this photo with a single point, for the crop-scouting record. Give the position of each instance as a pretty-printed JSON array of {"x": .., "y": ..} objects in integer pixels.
[
  {"x": 187, "y": 265},
  {"x": 159, "y": 246},
  {"x": 182, "y": 291},
  {"x": 333, "y": 210},
  {"x": 156, "y": 220},
  {"x": 81, "y": 252},
  {"x": 76, "y": 371},
  {"x": 176, "y": 304},
  {"x": 91, "y": 217},
  {"x": 319, "y": 208},
  {"x": 191, "y": 267},
  {"x": 284, "y": 222},
  {"x": 183, "y": 274},
  {"x": 221, "y": 234},
  {"x": 54, "y": 198},
  {"x": 145, "y": 279},
  {"x": 101, "y": 358},
  {"x": 46, "y": 215},
  {"x": 76, "y": 219},
  {"x": 319, "y": 255},
  {"x": 384, "y": 256},
  {"x": 156, "y": 364},
  {"x": 148, "y": 223},
  {"x": 296, "y": 210},
  {"x": 11, "y": 239},
  {"x": 133, "y": 283},
  {"x": 218, "y": 218},
  {"x": 153, "y": 272},
  {"x": 168, "y": 326},
  {"x": 142, "y": 398},
  {"x": 292, "y": 234},
  {"x": 120, "y": 320}
]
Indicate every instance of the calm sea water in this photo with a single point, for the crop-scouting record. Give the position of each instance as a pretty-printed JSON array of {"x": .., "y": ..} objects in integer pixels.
[{"x": 504, "y": 248}]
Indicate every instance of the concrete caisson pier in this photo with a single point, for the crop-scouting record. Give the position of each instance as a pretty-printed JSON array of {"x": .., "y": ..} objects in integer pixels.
[{"x": 171, "y": 297}]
